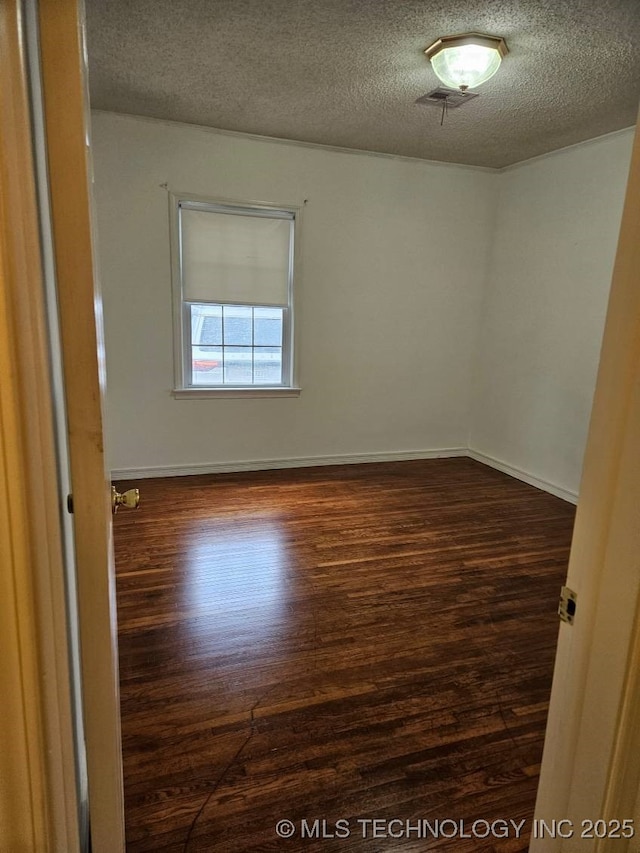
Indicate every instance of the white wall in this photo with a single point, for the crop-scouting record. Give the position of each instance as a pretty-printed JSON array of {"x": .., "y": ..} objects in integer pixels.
[
  {"x": 394, "y": 255},
  {"x": 547, "y": 289},
  {"x": 441, "y": 306}
]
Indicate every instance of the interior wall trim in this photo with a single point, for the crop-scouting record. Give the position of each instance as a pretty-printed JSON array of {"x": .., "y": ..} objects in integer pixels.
[
  {"x": 342, "y": 459},
  {"x": 525, "y": 476},
  {"x": 292, "y": 462},
  {"x": 297, "y": 143},
  {"x": 623, "y": 131}
]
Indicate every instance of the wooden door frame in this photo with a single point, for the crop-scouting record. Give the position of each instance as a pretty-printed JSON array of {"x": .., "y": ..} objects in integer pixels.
[
  {"x": 66, "y": 129},
  {"x": 41, "y": 811},
  {"x": 39, "y": 803}
]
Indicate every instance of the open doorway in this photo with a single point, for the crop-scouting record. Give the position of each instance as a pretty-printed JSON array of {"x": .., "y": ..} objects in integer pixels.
[
  {"x": 204, "y": 437},
  {"x": 351, "y": 460}
]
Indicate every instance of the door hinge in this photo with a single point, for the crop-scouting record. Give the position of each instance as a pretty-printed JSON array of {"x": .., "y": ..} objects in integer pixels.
[{"x": 568, "y": 604}]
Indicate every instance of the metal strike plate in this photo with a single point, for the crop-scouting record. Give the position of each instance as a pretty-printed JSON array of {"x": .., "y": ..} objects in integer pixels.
[{"x": 568, "y": 604}]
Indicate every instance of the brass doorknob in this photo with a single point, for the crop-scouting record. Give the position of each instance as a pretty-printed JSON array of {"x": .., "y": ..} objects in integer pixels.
[{"x": 129, "y": 499}]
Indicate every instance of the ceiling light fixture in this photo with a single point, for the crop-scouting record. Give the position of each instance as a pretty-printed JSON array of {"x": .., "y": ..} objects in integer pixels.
[{"x": 466, "y": 60}]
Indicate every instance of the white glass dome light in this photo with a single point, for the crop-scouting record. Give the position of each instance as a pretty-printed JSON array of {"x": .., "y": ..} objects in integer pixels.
[{"x": 467, "y": 60}]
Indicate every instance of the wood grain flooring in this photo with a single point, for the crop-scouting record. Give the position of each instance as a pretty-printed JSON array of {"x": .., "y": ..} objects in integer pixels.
[{"x": 341, "y": 644}]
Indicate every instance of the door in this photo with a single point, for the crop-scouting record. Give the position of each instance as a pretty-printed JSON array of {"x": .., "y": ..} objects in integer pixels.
[
  {"x": 65, "y": 103},
  {"x": 590, "y": 768},
  {"x": 584, "y": 740}
]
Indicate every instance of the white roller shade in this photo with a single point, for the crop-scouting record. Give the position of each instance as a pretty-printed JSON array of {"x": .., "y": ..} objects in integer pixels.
[{"x": 235, "y": 258}]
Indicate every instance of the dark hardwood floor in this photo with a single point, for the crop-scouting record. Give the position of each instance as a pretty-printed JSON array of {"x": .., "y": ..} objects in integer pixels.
[{"x": 337, "y": 643}]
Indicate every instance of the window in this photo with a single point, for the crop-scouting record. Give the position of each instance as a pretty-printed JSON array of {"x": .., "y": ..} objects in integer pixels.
[
  {"x": 236, "y": 345},
  {"x": 233, "y": 283}
]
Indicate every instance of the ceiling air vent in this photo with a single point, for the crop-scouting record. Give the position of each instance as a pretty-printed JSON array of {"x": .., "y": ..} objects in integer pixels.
[{"x": 453, "y": 97}]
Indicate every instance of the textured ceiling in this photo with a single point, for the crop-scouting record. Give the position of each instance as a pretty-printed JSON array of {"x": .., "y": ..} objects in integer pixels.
[{"x": 347, "y": 72}]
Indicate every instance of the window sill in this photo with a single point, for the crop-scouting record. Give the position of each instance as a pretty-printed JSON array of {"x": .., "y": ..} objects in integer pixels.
[{"x": 212, "y": 393}]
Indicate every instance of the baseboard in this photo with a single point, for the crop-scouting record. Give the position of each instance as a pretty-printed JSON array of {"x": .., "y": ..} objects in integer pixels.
[
  {"x": 558, "y": 491},
  {"x": 294, "y": 462},
  {"x": 343, "y": 459}
]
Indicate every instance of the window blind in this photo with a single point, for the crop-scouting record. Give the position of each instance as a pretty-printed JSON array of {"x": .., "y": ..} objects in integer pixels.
[{"x": 236, "y": 258}]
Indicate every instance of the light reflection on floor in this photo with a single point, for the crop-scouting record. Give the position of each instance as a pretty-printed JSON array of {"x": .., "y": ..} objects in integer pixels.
[{"x": 237, "y": 571}]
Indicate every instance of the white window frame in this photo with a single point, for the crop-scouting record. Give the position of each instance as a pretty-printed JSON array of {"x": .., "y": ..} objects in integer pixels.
[{"x": 181, "y": 309}]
